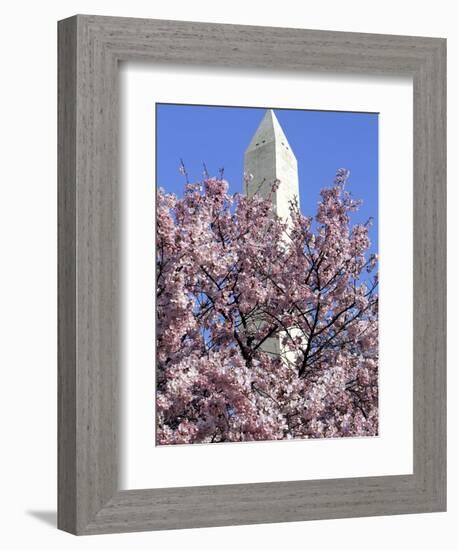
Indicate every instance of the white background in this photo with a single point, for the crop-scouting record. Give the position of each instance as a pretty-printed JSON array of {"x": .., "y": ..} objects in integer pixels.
[
  {"x": 142, "y": 463},
  {"x": 28, "y": 274}
]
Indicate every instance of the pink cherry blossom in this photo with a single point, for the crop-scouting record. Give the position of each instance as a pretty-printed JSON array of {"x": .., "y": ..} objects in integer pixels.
[{"x": 230, "y": 276}]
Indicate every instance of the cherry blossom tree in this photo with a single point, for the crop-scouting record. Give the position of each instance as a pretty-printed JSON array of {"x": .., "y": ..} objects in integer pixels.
[{"x": 230, "y": 276}]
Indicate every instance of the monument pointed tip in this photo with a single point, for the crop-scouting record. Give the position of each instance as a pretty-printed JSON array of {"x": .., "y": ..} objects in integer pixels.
[
  {"x": 269, "y": 130},
  {"x": 270, "y": 114}
]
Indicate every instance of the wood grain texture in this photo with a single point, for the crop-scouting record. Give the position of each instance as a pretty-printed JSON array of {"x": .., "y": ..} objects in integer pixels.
[
  {"x": 67, "y": 134},
  {"x": 90, "y": 48}
]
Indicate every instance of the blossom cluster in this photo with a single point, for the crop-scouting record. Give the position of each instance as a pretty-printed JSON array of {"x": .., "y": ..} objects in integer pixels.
[{"x": 232, "y": 276}]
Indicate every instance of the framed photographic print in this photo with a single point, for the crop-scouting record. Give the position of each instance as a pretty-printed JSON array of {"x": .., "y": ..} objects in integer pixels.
[{"x": 251, "y": 275}]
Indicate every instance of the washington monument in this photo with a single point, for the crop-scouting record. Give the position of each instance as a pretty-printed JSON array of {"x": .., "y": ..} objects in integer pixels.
[{"x": 269, "y": 157}]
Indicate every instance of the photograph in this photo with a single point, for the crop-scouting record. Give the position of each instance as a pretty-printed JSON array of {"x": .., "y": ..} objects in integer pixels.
[
  {"x": 225, "y": 275},
  {"x": 266, "y": 274}
]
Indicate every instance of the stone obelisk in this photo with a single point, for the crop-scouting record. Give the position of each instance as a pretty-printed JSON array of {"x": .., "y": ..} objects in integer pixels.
[{"x": 268, "y": 158}]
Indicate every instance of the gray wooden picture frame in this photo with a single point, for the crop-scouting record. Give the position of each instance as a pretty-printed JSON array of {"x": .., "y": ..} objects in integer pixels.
[{"x": 90, "y": 49}]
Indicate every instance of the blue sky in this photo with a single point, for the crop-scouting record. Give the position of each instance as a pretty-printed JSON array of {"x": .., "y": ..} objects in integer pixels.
[{"x": 322, "y": 141}]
